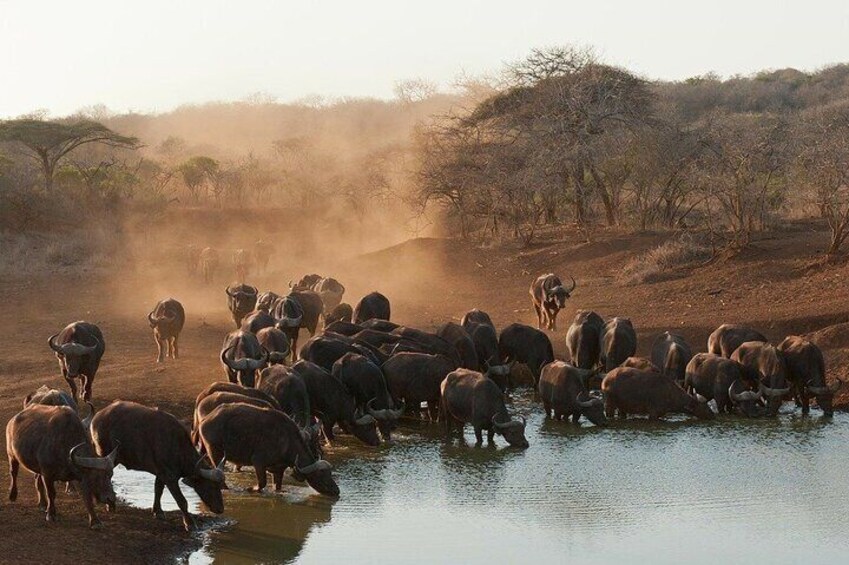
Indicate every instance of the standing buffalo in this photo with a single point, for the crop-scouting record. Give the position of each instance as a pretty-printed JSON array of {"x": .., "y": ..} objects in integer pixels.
[
  {"x": 208, "y": 263},
  {"x": 332, "y": 399},
  {"x": 330, "y": 290},
  {"x": 486, "y": 345},
  {"x": 242, "y": 356},
  {"x": 372, "y": 305},
  {"x": 631, "y": 391},
  {"x": 474, "y": 318},
  {"x": 549, "y": 297},
  {"x": 312, "y": 307},
  {"x": 51, "y": 397},
  {"x": 524, "y": 344},
  {"x": 167, "y": 320},
  {"x": 341, "y": 313},
  {"x": 583, "y": 339},
  {"x": 262, "y": 252},
  {"x": 564, "y": 392},
  {"x": 716, "y": 378},
  {"x": 289, "y": 315},
  {"x": 256, "y": 320},
  {"x": 79, "y": 348},
  {"x": 241, "y": 264},
  {"x": 463, "y": 343},
  {"x": 366, "y": 383},
  {"x": 234, "y": 388},
  {"x": 288, "y": 388},
  {"x": 618, "y": 342},
  {"x": 806, "y": 372},
  {"x": 469, "y": 397},
  {"x": 416, "y": 377},
  {"x": 276, "y": 343},
  {"x": 307, "y": 282},
  {"x": 269, "y": 441},
  {"x": 212, "y": 401},
  {"x": 765, "y": 364},
  {"x": 728, "y": 337},
  {"x": 154, "y": 441},
  {"x": 52, "y": 443},
  {"x": 241, "y": 300},
  {"x": 670, "y": 353}
]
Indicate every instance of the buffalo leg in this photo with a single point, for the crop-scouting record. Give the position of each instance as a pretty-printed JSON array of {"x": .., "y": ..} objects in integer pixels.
[
  {"x": 177, "y": 495},
  {"x": 278, "y": 480},
  {"x": 261, "y": 478},
  {"x": 576, "y": 417},
  {"x": 433, "y": 410},
  {"x": 547, "y": 407},
  {"x": 13, "y": 472},
  {"x": 174, "y": 348},
  {"x": 160, "y": 354},
  {"x": 539, "y": 315},
  {"x": 87, "y": 382},
  {"x": 490, "y": 436},
  {"x": 478, "y": 436},
  {"x": 88, "y": 501},
  {"x": 806, "y": 402},
  {"x": 42, "y": 494},
  {"x": 158, "y": 487},
  {"x": 50, "y": 487},
  {"x": 609, "y": 409},
  {"x": 72, "y": 384}
]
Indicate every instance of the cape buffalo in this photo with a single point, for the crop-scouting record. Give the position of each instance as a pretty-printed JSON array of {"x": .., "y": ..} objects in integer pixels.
[
  {"x": 289, "y": 390},
  {"x": 288, "y": 315},
  {"x": 242, "y": 356},
  {"x": 79, "y": 348},
  {"x": 462, "y": 342},
  {"x": 208, "y": 263},
  {"x": 257, "y": 320},
  {"x": 341, "y": 313},
  {"x": 474, "y": 318},
  {"x": 486, "y": 345},
  {"x": 631, "y": 391},
  {"x": 216, "y": 399},
  {"x": 469, "y": 397},
  {"x": 670, "y": 353},
  {"x": 416, "y": 377},
  {"x": 192, "y": 260},
  {"x": 167, "y": 320},
  {"x": 330, "y": 398},
  {"x": 765, "y": 364},
  {"x": 269, "y": 441},
  {"x": 806, "y": 372},
  {"x": 262, "y": 252},
  {"x": 432, "y": 343},
  {"x": 728, "y": 337},
  {"x": 524, "y": 344},
  {"x": 221, "y": 386},
  {"x": 583, "y": 339},
  {"x": 154, "y": 441},
  {"x": 312, "y": 307},
  {"x": 618, "y": 342},
  {"x": 241, "y": 300},
  {"x": 366, "y": 383},
  {"x": 276, "y": 343},
  {"x": 564, "y": 391},
  {"x": 324, "y": 350},
  {"x": 52, "y": 443},
  {"x": 549, "y": 297},
  {"x": 331, "y": 291},
  {"x": 372, "y": 305},
  {"x": 716, "y": 378},
  {"x": 267, "y": 300},
  {"x": 47, "y": 396},
  {"x": 307, "y": 282}
]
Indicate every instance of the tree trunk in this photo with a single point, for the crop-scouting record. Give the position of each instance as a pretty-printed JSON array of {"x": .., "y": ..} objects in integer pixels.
[
  {"x": 606, "y": 200},
  {"x": 580, "y": 193},
  {"x": 48, "y": 169}
]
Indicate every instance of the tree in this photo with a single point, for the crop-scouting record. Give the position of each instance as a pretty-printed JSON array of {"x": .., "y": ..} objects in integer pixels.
[
  {"x": 198, "y": 172},
  {"x": 47, "y": 142}
]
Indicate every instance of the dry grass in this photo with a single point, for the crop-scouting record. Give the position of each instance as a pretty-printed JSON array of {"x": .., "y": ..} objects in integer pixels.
[
  {"x": 662, "y": 262},
  {"x": 40, "y": 253}
]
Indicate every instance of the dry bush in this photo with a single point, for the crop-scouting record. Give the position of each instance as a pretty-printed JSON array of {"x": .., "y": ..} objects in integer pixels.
[
  {"x": 45, "y": 253},
  {"x": 659, "y": 264}
]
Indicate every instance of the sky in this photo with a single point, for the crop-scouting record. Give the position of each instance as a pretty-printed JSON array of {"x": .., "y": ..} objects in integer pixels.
[{"x": 155, "y": 55}]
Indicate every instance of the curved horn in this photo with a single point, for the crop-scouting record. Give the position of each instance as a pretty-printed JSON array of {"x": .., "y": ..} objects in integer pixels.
[
  {"x": 743, "y": 396},
  {"x": 376, "y": 414},
  {"x": 233, "y": 364},
  {"x": 100, "y": 463},
  {"x": 87, "y": 419},
  {"x": 772, "y": 392},
  {"x": 216, "y": 474},
  {"x": 574, "y": 285},
  {"x": 257, "y": 364},
  {"x": 52, "y": 343},
  {"x": 818, "y": 390},
  {"x": 510, "y": 424},
  {"x": 701, "y": 398},
  {"x": 588, "y": 403},
  {"x": 151, "y": 320},
  {"x": 230, "y": 293},
  {"x": 318, "y": 465}
]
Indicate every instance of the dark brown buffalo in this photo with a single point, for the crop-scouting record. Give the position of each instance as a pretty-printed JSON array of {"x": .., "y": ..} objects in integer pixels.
[
  {"x": 370, "y": 306},
  {"x": 312, "y": 308},
  {"x": 332, "y": 400},
  {"x": 167, "y": 320},
  {"x": 324, "y": 350},
  {"x": 216, "y": 399},
  {"x": 728, "y": 337},
  {"x": 671, "y": 353},
  {"x": 257, "y": 320},
  {"x": 47, "y": 396},
  {"x": 262, "y": 253},
  {"x": 221, "y": 386},
  {"x": 289, "y": 390},
  {"x": 519, "y": 343},
  {"x": 764, "y": 364},
  {"x": 154, "y": 441},
  {"x": 631, "y": 391},
  {"x": 564, "y": 391},
  {"x": 341, "y": 313},
  {"x": 269, "y": 440},
  {"x": 331, "y": 291},
  {"x": 208, "y": 263},
  {"x": 242, "y": 356},
  {"x": 469, "y": 397},
  {"x": 241, "y": 300},
  {"x": 457, "y": 336},
  {"x": 474, "y": 318},
  {"x": 288, "y": 316},
  {"x": 366, "y": 383},
  {"x": 375, "y": 338},
  {"x": 618, "y": 342},
  {"x": 51, "y": 442},
  {"x": 716, "y": 378},
  {"x": 414, "y": 378},
  {"x": 583, "y": 339},
  {"x": 276, "y": 343},
  {"x": 549, "y": 296},
  {"x": 486, "y": 345},
  {"x": 806, "y": 373},
  {"x": 79, "y": 348},
  {"x": 431, "y": 343}
]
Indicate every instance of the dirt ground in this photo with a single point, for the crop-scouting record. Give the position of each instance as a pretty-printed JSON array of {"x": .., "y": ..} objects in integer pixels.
[{"x": 429, "y": 281}]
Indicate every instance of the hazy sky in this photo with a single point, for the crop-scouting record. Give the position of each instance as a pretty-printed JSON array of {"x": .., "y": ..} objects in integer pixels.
[{"x": 155, "y": 55}]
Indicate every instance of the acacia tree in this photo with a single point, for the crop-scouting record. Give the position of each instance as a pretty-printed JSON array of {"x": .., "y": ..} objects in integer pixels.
[
  {"x": 48, "y": 142},
  {"x": 198, "y": 172}
]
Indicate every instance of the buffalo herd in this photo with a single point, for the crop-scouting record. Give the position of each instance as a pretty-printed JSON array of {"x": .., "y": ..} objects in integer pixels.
[{"x": 279, "y": 406}]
